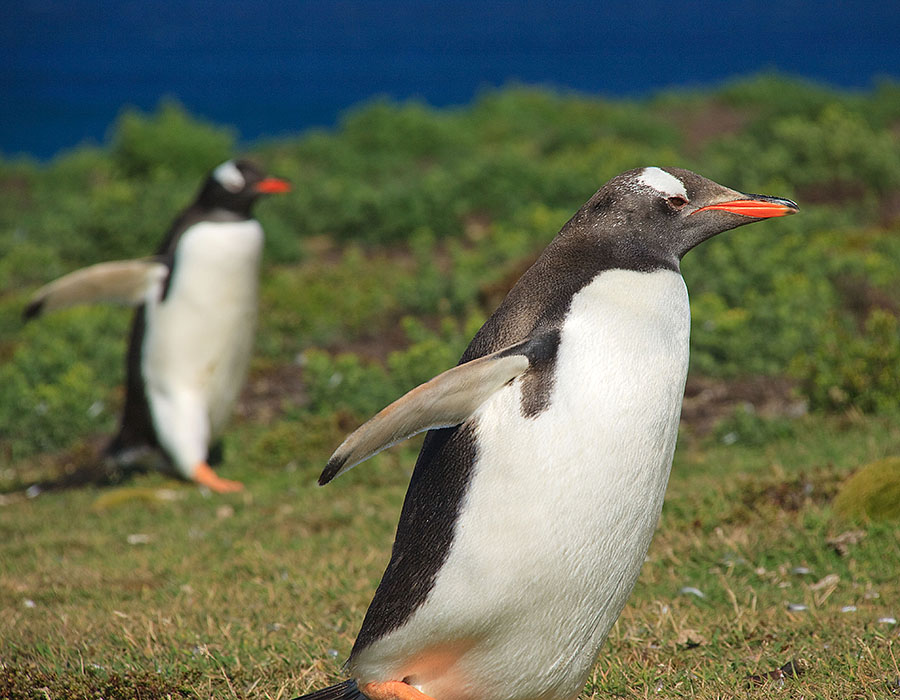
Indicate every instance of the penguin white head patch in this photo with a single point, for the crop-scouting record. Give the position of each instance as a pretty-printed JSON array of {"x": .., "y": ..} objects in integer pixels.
[
  {"x": 230, "y": 177},
  {"x": 662, "y": 182}
]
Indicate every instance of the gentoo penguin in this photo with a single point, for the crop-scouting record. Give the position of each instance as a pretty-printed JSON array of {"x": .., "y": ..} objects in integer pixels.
[
  {"x": 538, "y": 488},
  {"x": 194, "y": 327}
]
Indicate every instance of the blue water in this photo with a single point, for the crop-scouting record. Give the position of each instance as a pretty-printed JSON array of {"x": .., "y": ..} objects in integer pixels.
[{"x": 67, "y": 67}]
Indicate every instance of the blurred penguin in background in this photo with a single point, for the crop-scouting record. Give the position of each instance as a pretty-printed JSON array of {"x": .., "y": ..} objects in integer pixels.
[{"x": 193, "y": 331}]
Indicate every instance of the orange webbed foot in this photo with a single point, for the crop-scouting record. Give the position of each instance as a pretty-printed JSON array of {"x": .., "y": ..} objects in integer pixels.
[
  {"x": 392, "y": 690},
  {"x": 205, "y": 476}
]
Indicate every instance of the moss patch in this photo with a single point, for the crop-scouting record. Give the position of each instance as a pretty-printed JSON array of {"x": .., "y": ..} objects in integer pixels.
[{"x": 872, "y": 493}]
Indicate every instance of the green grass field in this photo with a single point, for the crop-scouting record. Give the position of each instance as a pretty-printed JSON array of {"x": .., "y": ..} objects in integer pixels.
[
  {"x": 404, "y": 230},
  {"x": 152, "y": 589}
]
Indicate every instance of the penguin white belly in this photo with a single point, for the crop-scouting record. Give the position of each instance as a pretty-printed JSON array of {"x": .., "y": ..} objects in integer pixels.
[
  {"x": 561, "y": 508},
  {"x": 198, "y": 340}
]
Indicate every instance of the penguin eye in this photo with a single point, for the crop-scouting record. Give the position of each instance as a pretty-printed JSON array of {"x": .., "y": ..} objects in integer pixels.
[{"x": 676, "y": 201}]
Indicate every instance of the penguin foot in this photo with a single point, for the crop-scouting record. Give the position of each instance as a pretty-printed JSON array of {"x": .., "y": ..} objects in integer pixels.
[
  {"x": 205, "y": 476},
  {"x": 392, "y": 690}
]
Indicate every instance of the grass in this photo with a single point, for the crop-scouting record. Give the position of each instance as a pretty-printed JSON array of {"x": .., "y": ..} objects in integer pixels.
[{"x": 153, "y": 589}]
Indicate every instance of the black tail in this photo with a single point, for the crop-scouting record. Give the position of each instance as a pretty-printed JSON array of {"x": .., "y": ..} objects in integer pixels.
[
  {"x": 33, "y": 310},
  {"x": 348, "y": 690}
]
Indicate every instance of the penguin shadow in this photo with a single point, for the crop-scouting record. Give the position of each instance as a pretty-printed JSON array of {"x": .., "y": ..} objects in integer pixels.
[{"x": 87, "y": 465}]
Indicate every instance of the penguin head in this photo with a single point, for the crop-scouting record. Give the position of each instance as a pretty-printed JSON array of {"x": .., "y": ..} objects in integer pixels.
[
  {"x": 664, "y": 212},
  {"x": 235, "y": 185}
]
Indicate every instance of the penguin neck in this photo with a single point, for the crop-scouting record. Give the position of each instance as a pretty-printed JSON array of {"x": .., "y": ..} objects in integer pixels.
[
  {"x": 596, "y": 252},
  {"x": 541, "y": 298},
  {"x": 214, "y": 200},
  {"x": 223, "y": 215}
]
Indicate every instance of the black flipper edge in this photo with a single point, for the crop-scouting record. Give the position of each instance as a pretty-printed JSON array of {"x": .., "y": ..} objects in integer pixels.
[{"x": 348, "y": 690}]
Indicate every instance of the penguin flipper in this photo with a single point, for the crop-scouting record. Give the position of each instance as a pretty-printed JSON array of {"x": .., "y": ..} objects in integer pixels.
[
  {"x": 126, "y": 282},
  {"x": 348, "y": 690},
  {"x": 444, "y": 401}
]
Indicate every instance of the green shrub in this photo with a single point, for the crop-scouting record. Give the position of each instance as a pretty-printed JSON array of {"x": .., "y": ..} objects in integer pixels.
[
  {"x": 58, "y": 384},
  {"x": 835, "y": 156},
  {"x": 169, "y": 144},
  {"x": 771, "y": 95},
  {"x": 848, "y": 368},
  {"x": 318, "y": 304},
  {"x": 756, "y": 296},
  {"x": 408, "y": 210},
  {"x": 346, "y": 382},
  {"x": 24, "y": 263}
]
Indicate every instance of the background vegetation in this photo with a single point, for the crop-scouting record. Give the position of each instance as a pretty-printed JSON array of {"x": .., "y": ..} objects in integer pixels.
[{"x": 405, "y": 228}]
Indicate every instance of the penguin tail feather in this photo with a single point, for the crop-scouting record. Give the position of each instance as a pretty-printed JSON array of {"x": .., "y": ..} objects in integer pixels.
[{"x": 348, "y": 690}]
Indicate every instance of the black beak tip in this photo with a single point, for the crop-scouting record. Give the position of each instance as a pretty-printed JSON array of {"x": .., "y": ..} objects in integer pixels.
[
  {"x": 788, "y": 203},
  {"x": 784, "y": 201}
]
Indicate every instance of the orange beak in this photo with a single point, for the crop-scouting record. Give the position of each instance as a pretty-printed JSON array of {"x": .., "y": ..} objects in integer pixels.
[
  {"x": 760, "y": 207},
  {"x": 273, "y": 185}
]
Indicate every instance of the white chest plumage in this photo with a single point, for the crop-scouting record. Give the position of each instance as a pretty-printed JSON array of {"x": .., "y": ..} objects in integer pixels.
[
  {"x": 561, "y": 507},
  {"x": 198, "y": 340}
]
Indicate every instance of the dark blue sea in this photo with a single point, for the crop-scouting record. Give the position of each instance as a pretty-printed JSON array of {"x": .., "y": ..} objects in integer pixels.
[{"x": 68, "y": 67}]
